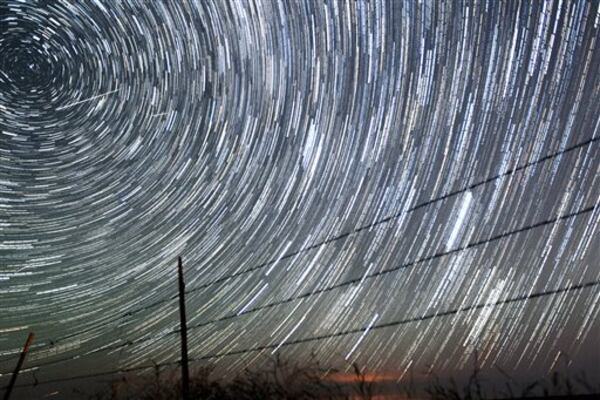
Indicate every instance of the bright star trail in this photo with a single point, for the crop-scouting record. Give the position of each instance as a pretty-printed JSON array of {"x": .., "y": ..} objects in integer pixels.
[{"x": 399, "y": 184}]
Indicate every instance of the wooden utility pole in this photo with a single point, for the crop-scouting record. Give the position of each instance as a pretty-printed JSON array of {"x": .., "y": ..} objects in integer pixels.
[
  {"x": 185, "y": 374},
  {"x": 13, "y": 379}
]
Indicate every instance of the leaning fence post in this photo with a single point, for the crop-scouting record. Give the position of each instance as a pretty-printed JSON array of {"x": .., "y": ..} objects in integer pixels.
[
  {"x": 13, "y": 378},
  {"x": 185, "y": 375}
]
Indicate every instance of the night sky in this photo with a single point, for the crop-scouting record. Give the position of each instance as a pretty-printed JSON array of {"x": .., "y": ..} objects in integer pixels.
[{"x": 399, "y": 184}]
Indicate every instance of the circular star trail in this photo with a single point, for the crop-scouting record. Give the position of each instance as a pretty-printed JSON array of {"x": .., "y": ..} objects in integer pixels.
[{"x": 394, "y": 183}]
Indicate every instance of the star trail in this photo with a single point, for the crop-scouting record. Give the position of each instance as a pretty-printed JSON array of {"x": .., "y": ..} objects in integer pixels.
[{"x": 400, "y": 184}]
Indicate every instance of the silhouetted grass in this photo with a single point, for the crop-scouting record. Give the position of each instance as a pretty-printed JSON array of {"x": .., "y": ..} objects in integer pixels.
[
  {"x": 280, "y": 380},
  {"x": 283, "y": 380},
  {"x": 557, "y": 386}
]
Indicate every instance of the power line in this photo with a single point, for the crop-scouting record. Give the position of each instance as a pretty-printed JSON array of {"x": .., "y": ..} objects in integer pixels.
[
  {"x": 381, "y": 273},
  {"x": 398, "y": 214},
  {"x": 408, "y": 320},
  {"x": 522, "y": 298},
  {"x": 52, "y": 343},
  {"x": 510, "y": 171},
  {"x": 86, "y": 376},
  {"x": 373, "y": 224},
  {"x": 402, "y": 266},
  {"x": 337, "y": 286}
]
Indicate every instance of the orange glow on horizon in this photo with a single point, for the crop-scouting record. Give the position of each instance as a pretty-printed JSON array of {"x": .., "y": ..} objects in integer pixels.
[{"x": 368, "y": 377}]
